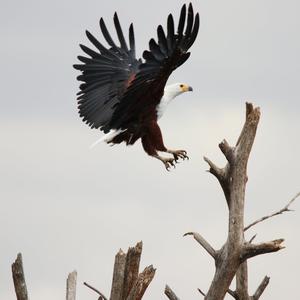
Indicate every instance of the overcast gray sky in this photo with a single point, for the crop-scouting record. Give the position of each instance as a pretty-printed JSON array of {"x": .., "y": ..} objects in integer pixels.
[{"x": 66, "y": 207}]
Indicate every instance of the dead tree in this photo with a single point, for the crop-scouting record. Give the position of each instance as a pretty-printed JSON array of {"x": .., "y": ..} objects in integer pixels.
[
  {"x": 232, "y": 258},
  {"x": 127, "y": 282}
]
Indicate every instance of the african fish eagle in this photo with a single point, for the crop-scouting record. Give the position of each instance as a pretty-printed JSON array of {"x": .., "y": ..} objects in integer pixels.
[{"x": 124, "y": 96}]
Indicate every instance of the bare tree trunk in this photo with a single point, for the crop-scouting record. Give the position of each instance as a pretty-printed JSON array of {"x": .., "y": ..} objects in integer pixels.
[
  {"x": 231, "y": 258},
  {"x": 19, "y": 278}
]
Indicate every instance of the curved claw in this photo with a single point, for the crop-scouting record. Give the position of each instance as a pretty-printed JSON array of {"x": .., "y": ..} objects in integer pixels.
[
  {"x": 168, "y": 162},
  {"x": 179, "y": 154}
]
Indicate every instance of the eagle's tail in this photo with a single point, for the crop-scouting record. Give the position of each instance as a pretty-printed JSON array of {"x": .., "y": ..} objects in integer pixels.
[{"x": 107, "y": 137}]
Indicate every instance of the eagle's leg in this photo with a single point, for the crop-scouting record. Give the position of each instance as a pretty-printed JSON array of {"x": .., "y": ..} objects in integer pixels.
[
  {"x": 152, "y": 142},
  {"x": 150, "y": 149},
  {"x": 178, "y": 154}
]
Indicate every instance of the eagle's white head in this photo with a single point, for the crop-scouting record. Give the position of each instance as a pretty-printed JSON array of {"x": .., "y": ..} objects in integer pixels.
[{"x": 171, "y": 91}]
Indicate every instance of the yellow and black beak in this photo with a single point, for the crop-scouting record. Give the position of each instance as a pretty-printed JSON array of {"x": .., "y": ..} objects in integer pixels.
[{"x": 186, "y": 88}]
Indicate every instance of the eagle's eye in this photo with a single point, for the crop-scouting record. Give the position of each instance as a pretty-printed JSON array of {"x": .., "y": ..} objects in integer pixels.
[{"x": 181, "y": 85}]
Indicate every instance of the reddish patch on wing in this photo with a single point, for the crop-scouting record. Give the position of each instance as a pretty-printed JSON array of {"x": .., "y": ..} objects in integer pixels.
[{"x": 130, "y": 79}]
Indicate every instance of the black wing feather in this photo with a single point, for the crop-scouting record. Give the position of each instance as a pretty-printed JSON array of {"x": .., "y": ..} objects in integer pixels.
[
  {"x": 181, "y": 21},
  {"x": 194, "y": 32},
  {"x": 155, "y": 49},
  {"x": 120, "y": 33},
  {"x": 131, "y": 40},
  {"x": 106, "y": 34},
  {"x": 190, "y": 20},
  {"x": 171, "y": 35},
  {"x": 89, "y": 51},
  {"x": 94, "y": 41},
  {"x": 162, "y": 41}
]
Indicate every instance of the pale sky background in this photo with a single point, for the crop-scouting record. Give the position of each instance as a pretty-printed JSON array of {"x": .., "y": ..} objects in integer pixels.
[{"x": 66, "y": 207}]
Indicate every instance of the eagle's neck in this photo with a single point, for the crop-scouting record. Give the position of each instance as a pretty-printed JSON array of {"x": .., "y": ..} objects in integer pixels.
[{"x": 169, "y": 95}]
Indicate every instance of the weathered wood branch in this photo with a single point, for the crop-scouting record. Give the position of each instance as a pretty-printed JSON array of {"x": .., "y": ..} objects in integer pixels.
[
  {"x": 210, "y": 250},
  {"x": 252, "y": 239},
  {"x": 132, "y": 264},
  {"x": 221, "y": 175},
  {"x": 242, "y": 273},
  {"x": 242, "y": 282},
  {"x": 127, "y": 283},
  {"x": 201, "y": 292},
  {"x": 118, "y": 276},
  {"x": 216, "y": 171},
  {"x": 281, "y": 211},
  {"x": 141, "y": 284},
  {"x": 19, "y": 278},
  {"x": 233, "y": 294},
  {"x": 101, "y": 296},
  {"x": 251, "y": 250},
  {"x": 261, "y": 288},
  {"x": 71, "y": 286},
  {"x": 227, "y": 150},
  {"x": 170, "y": 294}
]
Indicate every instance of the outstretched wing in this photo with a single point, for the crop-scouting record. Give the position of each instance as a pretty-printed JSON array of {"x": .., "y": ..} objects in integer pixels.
[
  {"x": 163, "y": 57},
  {"x": 106, "y": 75}
]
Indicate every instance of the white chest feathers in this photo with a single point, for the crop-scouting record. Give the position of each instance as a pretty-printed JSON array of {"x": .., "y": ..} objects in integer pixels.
[
  {"x": 170, "y": 93},
  {"x": 161, "y": 107}
]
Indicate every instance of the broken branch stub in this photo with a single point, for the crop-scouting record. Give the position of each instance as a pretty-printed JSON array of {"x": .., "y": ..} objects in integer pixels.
[
  {"x": 19, "y": 278},
  {"x": 128, "y": 283},
  {"x": 71, "y": 286}
]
